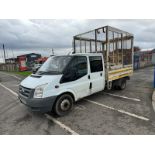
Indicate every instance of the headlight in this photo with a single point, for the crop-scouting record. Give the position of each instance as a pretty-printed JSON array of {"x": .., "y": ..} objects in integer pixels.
[{"x": 38, "y": 93}]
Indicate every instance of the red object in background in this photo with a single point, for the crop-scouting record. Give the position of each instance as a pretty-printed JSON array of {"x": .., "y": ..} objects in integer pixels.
[
  {"x": 42, "y": 60},
  {"x": 22, "y": 63}
]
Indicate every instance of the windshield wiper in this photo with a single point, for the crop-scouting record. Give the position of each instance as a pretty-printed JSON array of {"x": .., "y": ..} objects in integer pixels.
[
  {"x": 48, "y": 73},
  {"x": 40, "y": 72}
]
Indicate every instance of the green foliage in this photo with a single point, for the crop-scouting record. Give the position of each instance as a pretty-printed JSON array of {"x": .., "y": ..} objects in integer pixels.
[{"x": 24, "y": 73}]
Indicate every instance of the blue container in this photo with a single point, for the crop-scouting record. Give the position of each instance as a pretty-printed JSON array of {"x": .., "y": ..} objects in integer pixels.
[{"x": 136, "y": 62}]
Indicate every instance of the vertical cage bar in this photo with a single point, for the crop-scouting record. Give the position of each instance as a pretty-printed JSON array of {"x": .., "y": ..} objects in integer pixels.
[
  {"x": 132, "y": 61},
  {"x": 85, "y": 47},
  {"x": 107, "y": 50},
  {"x": 113, "y": 47},
  {"x": 74, "y": 45},
  {"x": 80, "y": 45},
  {"x": 117, "y": 46},
  {"x": 90, "y": 47},
  {"x": 122, "y": 47},
  {"x": 96, "y": 40}
]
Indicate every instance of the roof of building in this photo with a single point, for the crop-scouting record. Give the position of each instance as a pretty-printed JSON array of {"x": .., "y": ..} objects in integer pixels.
[
  {"x": 149, "y": 49},
  {"x": 11, "y": 59},
  {"x": 28, "y": 54}
]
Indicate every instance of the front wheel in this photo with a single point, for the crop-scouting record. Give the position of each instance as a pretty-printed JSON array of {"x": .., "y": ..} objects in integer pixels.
[{"x": 63, "y": 105}]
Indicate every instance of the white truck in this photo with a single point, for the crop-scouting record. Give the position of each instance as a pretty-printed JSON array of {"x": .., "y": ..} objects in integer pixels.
[{"x": 102, "y": 58}]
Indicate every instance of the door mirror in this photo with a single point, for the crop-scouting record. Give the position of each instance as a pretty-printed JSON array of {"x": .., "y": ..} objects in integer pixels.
[{"x": 35, "y": 70}]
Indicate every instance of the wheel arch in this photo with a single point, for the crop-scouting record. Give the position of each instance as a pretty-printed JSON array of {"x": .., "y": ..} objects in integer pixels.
[
  {"x": 69, "y": 93},
  {"x": 127, "y": 77}
]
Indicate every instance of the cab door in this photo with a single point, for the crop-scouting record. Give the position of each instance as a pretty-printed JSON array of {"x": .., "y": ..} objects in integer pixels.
[
  {"x": 75, "y": 77},
  {"x": 97, "y": 74}
]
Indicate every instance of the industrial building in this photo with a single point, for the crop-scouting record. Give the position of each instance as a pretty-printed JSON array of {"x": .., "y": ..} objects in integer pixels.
[{"x": 25, "y": 62}]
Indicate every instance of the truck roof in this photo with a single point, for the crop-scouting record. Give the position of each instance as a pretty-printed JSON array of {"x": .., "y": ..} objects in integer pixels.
[
  {"x": 87, "y": 54},
  {"x": 82, "y": 54}
]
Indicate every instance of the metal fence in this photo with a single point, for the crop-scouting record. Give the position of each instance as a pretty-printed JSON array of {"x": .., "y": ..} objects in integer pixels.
[
  {"x": 142, "y": 59},
  {"x": 9, "y": 67}
]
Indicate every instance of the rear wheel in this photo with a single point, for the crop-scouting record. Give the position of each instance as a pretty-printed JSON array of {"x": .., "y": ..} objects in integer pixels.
[
  {"x": 63, "y": 105},
  {"x": 122, "y": 84},
  {"x": 119, "y": 84}
]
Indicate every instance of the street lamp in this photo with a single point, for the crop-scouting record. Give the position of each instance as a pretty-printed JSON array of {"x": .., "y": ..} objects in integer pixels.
[{"x": 4, "y": 53}]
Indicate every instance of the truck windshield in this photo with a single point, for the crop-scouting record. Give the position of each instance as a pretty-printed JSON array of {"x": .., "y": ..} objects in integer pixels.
[{"x": 54, "y": 65}]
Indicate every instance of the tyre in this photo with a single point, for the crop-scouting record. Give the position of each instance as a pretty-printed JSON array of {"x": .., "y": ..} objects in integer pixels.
[
  {"x": 63, "y": 105},
  {"x": 109, "y": 85},
  {"x": 122, "y": 84}
]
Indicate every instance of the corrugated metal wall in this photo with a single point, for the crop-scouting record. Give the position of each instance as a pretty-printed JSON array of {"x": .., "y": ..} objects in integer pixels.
[{"x": 142, "y": 59}]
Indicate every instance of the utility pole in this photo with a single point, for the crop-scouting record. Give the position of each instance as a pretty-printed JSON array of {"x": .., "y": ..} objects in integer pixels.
[
  {"x": 4, "y": 53},
  {"x": 1, "y": 56},
  {"x": 13, "y": 53},
  {"x": 52, "y": 51}
]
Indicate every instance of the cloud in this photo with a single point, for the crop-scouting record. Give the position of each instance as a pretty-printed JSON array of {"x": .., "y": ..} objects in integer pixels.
[{"x": 24, "y": 34}]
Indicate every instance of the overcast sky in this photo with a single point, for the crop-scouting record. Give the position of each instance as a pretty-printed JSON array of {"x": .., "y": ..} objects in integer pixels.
[{"x": 27, "y": 35}]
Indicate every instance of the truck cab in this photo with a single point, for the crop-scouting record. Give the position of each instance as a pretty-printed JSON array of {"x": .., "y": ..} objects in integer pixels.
[{"x": 61, "y": 81}]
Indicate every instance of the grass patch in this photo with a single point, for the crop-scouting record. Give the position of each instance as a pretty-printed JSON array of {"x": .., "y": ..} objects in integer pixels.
[{"x": 24, "y": 73}]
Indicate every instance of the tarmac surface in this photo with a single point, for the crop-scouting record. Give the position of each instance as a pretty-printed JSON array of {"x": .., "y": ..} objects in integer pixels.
[{"x": 105, "y": 113}]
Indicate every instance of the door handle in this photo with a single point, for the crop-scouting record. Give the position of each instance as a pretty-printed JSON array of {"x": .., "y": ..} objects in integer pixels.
[
  {"x": 90, "y": 86},
  {"x": 100, "y": 74},
  {"x": 88, "y": 76}
]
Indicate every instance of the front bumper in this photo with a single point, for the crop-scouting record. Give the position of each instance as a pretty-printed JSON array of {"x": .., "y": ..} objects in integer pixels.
[{"x": 41, "y": 104}]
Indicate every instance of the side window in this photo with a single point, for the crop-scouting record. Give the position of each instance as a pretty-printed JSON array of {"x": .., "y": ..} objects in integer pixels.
[
  {"x": 81, "y": 66},
  {"x": 95, "y": 64},
  {"x": 75, "y": 70}
]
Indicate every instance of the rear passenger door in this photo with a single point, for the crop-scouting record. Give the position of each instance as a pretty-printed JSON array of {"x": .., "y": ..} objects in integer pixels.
[{"x": 97, "y": 77}]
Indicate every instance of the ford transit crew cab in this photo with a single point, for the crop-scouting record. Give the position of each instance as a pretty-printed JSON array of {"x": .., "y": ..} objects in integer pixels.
[{"x": 62, "y": 80}]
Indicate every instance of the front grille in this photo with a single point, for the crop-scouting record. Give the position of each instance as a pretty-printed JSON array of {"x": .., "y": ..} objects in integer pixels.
[{"x": 27, "y": 92}]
